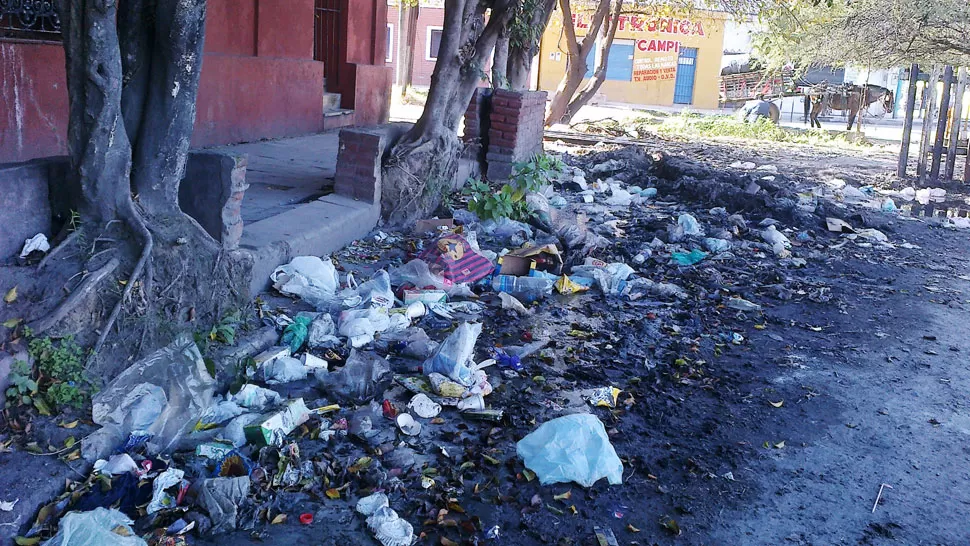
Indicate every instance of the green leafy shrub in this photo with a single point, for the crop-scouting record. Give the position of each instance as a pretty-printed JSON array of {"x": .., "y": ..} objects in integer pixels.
[
  {"x": 22, "y": 387},
  {"x": 509, "y": 200}
]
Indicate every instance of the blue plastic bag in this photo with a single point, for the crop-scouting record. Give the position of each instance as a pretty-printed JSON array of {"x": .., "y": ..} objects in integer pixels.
[{"x": 574, "y": 448}]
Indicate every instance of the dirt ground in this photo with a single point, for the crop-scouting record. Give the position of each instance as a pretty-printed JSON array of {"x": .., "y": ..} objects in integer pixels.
[{"x": 735, "y": 427}]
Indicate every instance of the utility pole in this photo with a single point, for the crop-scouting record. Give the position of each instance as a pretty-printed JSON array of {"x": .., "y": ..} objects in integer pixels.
[{"x": 908, "y": 123}]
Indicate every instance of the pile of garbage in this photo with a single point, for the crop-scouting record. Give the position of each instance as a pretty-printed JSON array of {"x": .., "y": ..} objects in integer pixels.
[{"x": 418, "y": 375}]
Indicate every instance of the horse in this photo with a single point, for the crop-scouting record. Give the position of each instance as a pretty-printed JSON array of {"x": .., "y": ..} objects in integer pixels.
[{"x": 847, "y": 98}]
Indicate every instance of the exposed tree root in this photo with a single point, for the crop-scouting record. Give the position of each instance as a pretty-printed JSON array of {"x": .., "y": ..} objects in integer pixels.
[
  {"x": 66, "y": 243},
  {"x": 87, "y": 286},
  {"x": 148, "y": 244}
]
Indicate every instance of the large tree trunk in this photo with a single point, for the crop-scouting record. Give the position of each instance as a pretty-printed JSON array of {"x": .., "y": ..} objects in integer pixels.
[
  {"x": 133, "y": 71},
  {"x": 576, "y": 54},
  {"x": 524, "y": 45},
  {"x": 599, "y": 73},
  {"x": 421, "y": 166}
]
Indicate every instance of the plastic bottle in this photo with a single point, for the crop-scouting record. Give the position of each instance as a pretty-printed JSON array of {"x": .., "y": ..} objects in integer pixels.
[{"x": 524, "y": 288}]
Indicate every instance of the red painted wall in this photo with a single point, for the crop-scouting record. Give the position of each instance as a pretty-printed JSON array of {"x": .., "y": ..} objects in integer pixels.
[
  {"x": 259, "y": 79},
  {"x": 427, "y": 17},
  {"x": 33, "y": 101},
  {"x": 285, "y": 29}
]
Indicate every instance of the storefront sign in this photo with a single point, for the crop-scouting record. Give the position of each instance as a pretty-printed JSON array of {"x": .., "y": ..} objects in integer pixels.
[
  {"x": 655, "y": 69},
  {"x": 644, "y": 25}
]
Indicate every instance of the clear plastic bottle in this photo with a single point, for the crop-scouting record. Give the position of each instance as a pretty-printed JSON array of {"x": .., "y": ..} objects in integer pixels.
[{"x": 526, "y": 289}]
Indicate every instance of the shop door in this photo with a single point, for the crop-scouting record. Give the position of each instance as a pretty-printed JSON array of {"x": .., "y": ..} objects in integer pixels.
[{"x": 686, "y": 67}]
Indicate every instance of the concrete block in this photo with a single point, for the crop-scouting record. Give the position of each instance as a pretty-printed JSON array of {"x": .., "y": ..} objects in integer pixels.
[
  {"x": 212, "y": 193},
  {"x": 24, "y": 205},
  {"x": 317, "y": 229}
]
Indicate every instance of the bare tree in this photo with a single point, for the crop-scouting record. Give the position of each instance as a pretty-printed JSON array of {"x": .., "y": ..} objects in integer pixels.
[
  {"x": 132, "y": 77},
  {"x": 569, "y": 98}
]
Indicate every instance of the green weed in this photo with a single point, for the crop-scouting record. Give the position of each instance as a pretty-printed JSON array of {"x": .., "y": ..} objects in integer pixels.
[
  {"x": 694, "y": 125},
  {"x": 509, "y": 200}
]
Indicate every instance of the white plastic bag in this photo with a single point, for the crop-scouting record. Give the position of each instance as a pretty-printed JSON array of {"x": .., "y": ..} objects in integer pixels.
[
  {"x": 309, "y": 278},
  {"x": 95, "y": 528},
  {"x": 454, "y": 356},
  {"x": 573, "y": 448}
]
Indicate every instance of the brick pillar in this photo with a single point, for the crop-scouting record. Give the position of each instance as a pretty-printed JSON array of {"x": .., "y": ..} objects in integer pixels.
[
  {"x": 359, "y": 164},
  {"x": 477, "y": 124},
  {"x": 515, "y": 131}
]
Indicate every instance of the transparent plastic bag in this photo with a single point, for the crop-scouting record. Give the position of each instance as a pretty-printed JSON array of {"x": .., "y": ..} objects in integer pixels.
[
  {"x": 162, "y": 395},
  {"x": 573, "y": 448},
  {"x": 453, "y": 357},
  {"x": 365, "y": 376},
  {"x": 310, "y": 278},
  {"x": 95, "y": 528}
]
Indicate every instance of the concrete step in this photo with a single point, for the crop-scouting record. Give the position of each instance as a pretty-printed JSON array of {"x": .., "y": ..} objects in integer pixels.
[
  {"x": 336, "y": 119},
  {"x": 331, "y": 101},
  {"x": 317, "y": 228}
]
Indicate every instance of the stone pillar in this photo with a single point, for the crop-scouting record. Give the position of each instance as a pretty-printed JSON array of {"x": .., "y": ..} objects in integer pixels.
[{"x": 515, "y": 131}]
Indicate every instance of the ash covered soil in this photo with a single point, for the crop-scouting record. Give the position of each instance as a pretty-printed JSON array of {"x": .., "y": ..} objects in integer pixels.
[{"x": 770, "y": 426}]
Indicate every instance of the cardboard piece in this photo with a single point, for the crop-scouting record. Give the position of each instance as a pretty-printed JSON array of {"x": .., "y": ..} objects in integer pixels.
[{"x": 521, "y": 261}]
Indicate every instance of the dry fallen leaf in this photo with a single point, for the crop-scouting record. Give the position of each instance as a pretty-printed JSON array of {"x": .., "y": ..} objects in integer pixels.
[
  {"x": 632, "y": 529},
  {"x": 333, "y": 493},
  {"x": 12, "y": 323},
  {"x": 777, "y": 404},
  {"x": 280, "y": 518},
  {"x": 72, "y": 424},
  {"x": 565, "y": 496},
  {"x": 11, "y": 295}
]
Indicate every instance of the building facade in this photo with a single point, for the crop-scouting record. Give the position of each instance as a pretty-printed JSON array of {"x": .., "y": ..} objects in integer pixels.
[
  {"x": 661, "y": 61},
  {"x": 272, "y": 68}
]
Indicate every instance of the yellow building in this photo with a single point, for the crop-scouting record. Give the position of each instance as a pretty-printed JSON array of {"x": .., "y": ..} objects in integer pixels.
[{"x": 662, "y": 61}]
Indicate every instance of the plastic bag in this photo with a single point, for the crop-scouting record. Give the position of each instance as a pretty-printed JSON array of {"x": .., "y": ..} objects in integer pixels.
[
  {"x": 636, "y": 288},
  {"x": 162, "y": 395},
  {"x": 619, "y": 197},
  {"x": 693, "y": 257},
  {"x": 257, "y": 398},
  {"x": 454, "y": 356},
  {"x": 377, "y": 291},
  {"x": 283, "y": 370},
  {"x": 160, "y": 499},
  {"x": 364, "y": 377},
  {"x": 573, "y": 448},
  {"x": 309, "y": 278},
  {"x": 611, "y": 278},
  {"x": 95, "y": 528},
  {"x": 716, "y": 245},
  {"x": 360, "y": 325},
  {"x": 221, "y": 498},
  {"x": 690, "y": 224},
  {"x": 295, "y": 335}
]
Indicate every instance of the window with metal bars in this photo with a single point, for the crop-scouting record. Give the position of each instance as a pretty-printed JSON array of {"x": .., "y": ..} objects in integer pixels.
[{"x": 35, "y": 20}]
